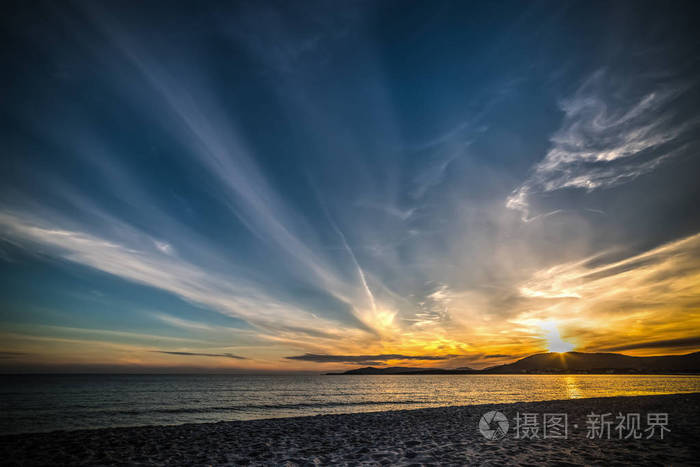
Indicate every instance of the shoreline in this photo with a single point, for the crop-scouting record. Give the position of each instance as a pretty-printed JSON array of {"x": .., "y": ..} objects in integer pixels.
[
  {"x": 286, "y": 417},
  {"x": 430, "y": 435}
]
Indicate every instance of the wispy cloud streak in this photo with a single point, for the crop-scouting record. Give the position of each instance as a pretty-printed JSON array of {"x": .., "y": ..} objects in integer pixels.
[
  {"x": 608, "y": 138},
  {"x": 235, "y": 297},
  {"x": 196, "y": 354}
]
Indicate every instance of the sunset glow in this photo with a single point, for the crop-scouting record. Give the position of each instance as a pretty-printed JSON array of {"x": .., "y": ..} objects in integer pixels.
[{"x": 325, "y": 187}]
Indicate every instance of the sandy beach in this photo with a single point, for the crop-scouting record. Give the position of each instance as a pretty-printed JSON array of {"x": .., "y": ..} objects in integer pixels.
[{"x": 446, "y": 435}]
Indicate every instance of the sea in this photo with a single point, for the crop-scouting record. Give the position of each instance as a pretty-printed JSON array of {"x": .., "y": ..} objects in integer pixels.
[{"x": 42, "y": 403}]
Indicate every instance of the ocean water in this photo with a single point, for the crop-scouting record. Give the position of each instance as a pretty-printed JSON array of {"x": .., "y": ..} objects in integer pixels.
[{"x": 33, "y": 403}]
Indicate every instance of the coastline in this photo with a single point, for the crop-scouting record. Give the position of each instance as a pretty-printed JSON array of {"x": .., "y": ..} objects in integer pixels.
[{"x": 402, "y": 437}]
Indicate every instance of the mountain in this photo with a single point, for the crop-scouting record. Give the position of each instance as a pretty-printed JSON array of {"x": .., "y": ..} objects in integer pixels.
[
  {"x": 574, "y": 362},
  {"x": 399, "y": 370},
  {"x": 370, "y": 370},
  {"x": 553, "y": 362}
]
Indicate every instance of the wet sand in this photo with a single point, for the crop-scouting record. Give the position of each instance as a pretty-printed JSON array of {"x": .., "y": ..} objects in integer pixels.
[{"x": 446, "y": 435}]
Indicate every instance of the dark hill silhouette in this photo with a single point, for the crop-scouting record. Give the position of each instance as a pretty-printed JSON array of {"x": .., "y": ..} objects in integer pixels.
[
  {"x": 600, "y": 362},
  {"x": 568, "y": 362},
  {"x": 370, "y": 370}
]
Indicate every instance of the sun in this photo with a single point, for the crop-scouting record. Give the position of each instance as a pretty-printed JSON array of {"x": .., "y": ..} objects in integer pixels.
[{"x": 554, "y": 341}]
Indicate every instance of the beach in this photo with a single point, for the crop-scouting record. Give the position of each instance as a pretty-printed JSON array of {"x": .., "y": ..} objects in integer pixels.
[{"x": 443, "y": 435}]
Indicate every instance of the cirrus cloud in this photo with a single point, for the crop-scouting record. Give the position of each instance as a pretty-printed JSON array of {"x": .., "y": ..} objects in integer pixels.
[{"x": 609, "y": 136}]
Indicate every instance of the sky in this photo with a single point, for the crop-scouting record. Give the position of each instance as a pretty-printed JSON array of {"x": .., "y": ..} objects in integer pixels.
[{"x": 309, "y": 186}]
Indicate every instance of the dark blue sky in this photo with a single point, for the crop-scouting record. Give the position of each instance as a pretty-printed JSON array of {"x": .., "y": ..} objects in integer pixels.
[{"x": 271, "y": 179}]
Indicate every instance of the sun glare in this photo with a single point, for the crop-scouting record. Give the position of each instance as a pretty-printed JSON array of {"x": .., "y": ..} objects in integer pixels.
[{"x": 554, "y": 341}]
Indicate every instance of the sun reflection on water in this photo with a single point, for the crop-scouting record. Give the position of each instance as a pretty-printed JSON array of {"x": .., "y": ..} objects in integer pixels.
[{"x": 573, "y": 391}]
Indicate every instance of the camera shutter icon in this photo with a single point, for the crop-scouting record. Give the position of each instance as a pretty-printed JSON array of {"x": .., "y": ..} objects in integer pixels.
[{"x": 493, "y": 425}]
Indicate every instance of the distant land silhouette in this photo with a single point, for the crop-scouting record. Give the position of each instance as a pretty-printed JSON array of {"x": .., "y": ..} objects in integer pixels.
[{"x": 560, "y": 363}]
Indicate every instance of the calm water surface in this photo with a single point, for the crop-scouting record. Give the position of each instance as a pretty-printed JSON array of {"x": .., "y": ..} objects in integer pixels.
[{"x": 67, "y": 402}]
